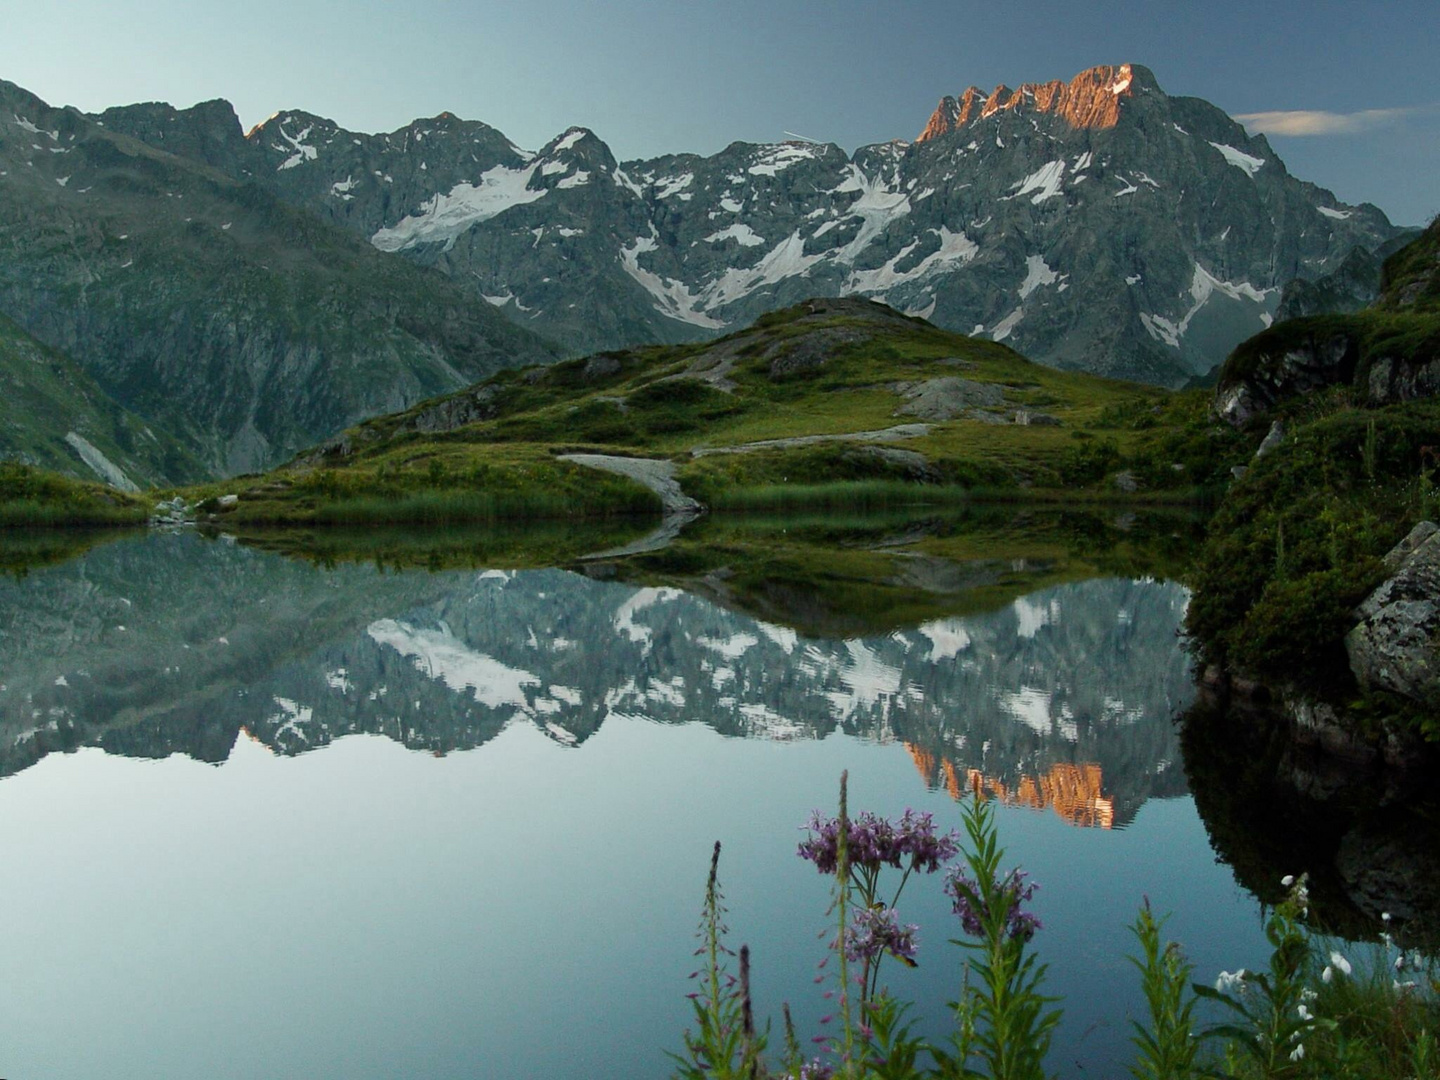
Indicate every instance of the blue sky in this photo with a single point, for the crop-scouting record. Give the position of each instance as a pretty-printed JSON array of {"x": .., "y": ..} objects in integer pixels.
[{"x": 1359, "y": 79}]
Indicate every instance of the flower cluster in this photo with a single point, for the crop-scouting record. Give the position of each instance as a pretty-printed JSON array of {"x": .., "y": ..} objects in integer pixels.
[
  {"x": 815, "y": 1070},
  {"x": 1014, "y": 891},
  {"x": 873, "y": 841},
  {"x": 876, "y": 931}
]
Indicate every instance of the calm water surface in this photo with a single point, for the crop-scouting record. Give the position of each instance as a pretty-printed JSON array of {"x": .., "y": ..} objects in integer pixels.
[{"x": 264, "y": 819}]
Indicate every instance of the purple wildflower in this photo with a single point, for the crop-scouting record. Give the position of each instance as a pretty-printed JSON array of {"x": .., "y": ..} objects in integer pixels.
[
  {"x": 876, "y": 931},
  {"x": 1015, "y": 890},
  {"x": 874, "y": 841},
  {"x": 815, "y": 1070}
]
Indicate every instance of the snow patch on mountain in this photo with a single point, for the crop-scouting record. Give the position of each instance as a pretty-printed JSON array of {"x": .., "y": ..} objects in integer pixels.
[
  {"x": 1037, "y": 273},
  {"x": 1006, "y": 325},
  {"x": 775, "y": 159},
  {"x": 955, "y": 250},
  {"x": 1044, "y": 182},
  {"x": 672, "y": 298},
  {"x": 302, "y": 150},
  {"x": 446, "y": 215},
  {"x": 1249, "y": 164},
  {"x": 673, "y": 185},
  {"x": 785, "y": 259},
  {"x": 742, "y": 234},
  {"x": 1203, "y": 285},
  {"x": 1338, "y": 215}
]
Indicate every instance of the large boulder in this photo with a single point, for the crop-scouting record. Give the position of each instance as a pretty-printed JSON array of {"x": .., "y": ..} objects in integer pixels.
[{"x": 1394, "y": 645}]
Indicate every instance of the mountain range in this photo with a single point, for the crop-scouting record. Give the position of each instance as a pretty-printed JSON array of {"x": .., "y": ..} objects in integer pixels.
[{"x": 242, "y": 290}]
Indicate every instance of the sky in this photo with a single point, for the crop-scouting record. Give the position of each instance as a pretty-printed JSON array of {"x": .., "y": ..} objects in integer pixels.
[{"x": 1348, "y": 93}]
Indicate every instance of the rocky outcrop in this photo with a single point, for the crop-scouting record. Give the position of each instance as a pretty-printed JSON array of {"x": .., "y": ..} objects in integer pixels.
[
  {"x": 1304, "y": 359},
  {"x": 1090, "y": 100},
  {"x": 1389, "y": 351},
  {"x": 1394, "y": 645}
]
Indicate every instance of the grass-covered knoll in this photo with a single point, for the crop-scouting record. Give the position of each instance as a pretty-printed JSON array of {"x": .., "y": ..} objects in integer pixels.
[
  {"x": 1297, "y": 543},
  {"x": 49, "y": 404},
  {"x": 791, "y": 402},
  {"x": 32, "y": 498},
  {"x": 444, "y": 485}
]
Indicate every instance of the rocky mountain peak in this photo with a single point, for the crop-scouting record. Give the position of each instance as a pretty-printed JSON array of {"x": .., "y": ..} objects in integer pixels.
[{"x": 1090, "y": 100}]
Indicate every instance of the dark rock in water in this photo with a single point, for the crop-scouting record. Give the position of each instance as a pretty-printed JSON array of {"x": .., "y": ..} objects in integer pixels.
[
  {"x": 1394, "y": 646},
  {"x": 1390, "y": 872}
]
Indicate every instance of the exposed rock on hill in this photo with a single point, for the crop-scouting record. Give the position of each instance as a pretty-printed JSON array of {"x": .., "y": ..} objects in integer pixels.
[{"x": 1393, "y": 647}]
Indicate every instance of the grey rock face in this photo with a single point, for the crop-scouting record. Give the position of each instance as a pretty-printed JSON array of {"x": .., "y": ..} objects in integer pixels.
[
  {"x": 1393, "y": 647},
  {"x": 1102, "y": 226},
  {"x": 949, "y": 397},
  {"x": 1321, "y": 359},
  {"x": 206, "y": 305}
]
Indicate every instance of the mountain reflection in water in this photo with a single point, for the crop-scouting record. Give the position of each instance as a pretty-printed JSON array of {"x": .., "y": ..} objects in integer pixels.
[{"x": 172, "y": 644}]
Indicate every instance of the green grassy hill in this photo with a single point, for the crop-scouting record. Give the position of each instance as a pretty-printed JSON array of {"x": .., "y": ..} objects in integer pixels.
[{"x": 838, "y": 401}]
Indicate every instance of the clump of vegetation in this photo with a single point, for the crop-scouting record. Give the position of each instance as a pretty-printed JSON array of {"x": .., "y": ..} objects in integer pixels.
[
  {"x": 1309, "y": 1014},
  {"x": 30, "y": 497},
  {"x": 1297, "y": 543}
]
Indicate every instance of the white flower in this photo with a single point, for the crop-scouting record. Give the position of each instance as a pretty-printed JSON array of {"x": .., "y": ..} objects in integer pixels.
[
  {"x": 1327, "y": 974},
  {"x": 1298, "y": 1053},
  {"x": 1340, "y": 962},
  {"x": 1288, "y": 880},
  {"x": 1385, "y": 916},
  {"x": 1400, "y": 962},
  {"x": 1401, "y": 987},
  {"x": 1307, "y": 995},
  {"x": 1304, "y": 1013},
  {"x": 1229, "y": 981}
]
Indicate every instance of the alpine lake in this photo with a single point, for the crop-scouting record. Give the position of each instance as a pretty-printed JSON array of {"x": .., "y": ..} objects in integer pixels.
[{"x": 441, "y": 805}]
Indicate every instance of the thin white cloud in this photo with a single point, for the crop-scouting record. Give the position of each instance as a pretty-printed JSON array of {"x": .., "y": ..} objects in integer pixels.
[{"x": 1319, "y": 122}]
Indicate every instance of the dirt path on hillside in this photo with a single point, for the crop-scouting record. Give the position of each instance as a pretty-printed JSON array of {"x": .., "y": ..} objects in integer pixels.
[{"x": 657, "y": 475}]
